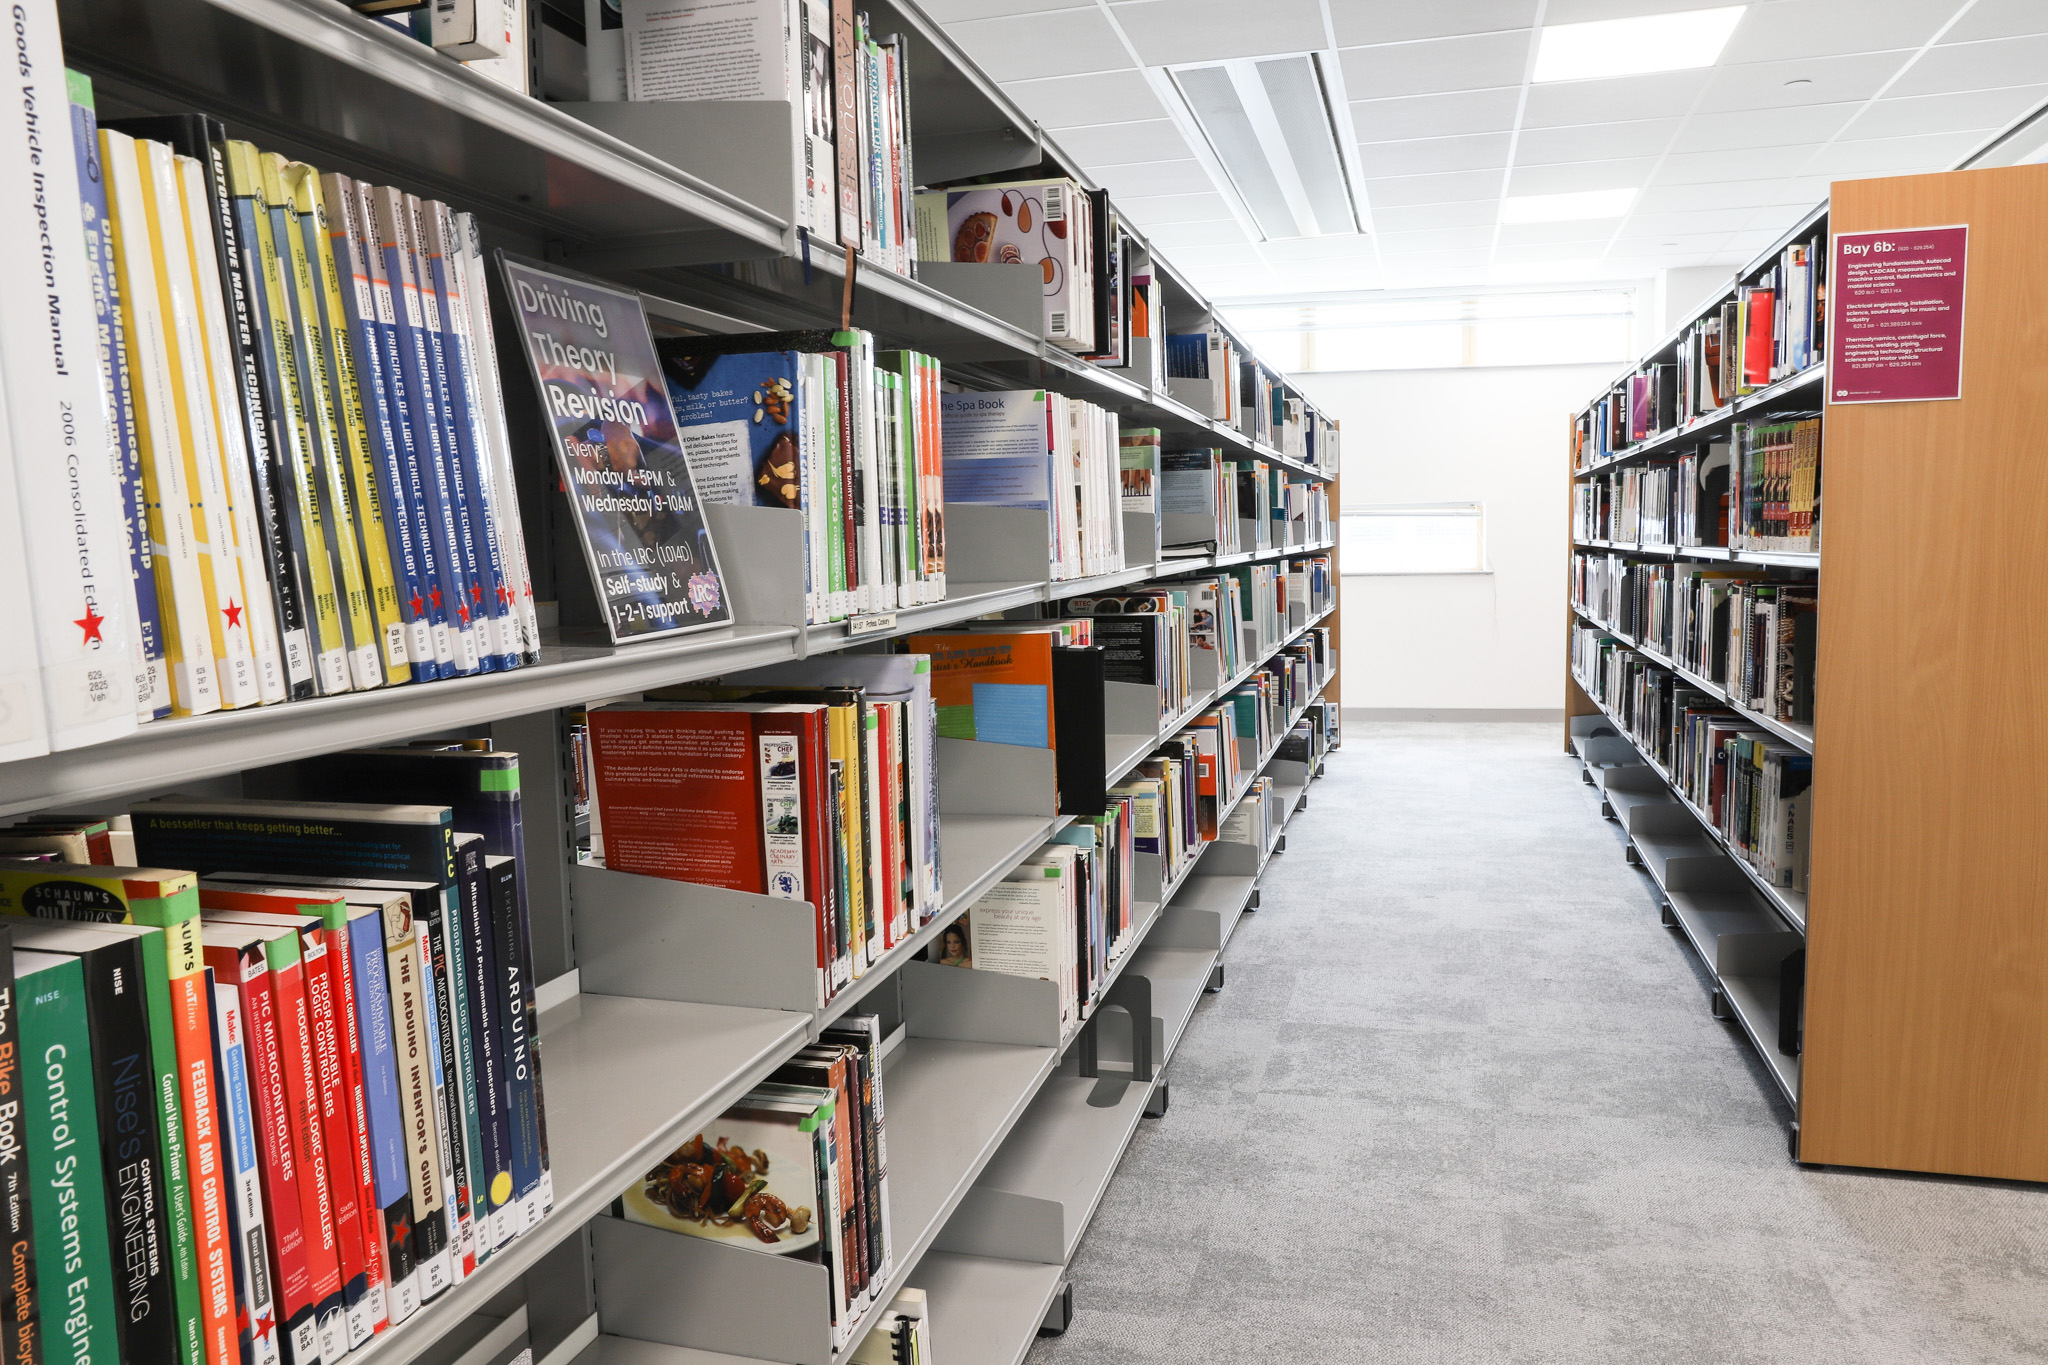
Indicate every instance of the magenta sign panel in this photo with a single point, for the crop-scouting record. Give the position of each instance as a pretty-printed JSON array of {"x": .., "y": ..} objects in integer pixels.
[{"x": 1895, "y": 315}]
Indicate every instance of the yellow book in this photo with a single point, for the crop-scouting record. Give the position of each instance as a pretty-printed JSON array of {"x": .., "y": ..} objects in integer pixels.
[
  {"x": 344, "y": 385},
  {"x": 220, "y": 563},
  {"x": 259, "y": 613},
  {"x": 366, "y": 665},
  {"x": 843, "y": 751},
  {"x": 330, "y": 642},
  {"x": 174, "y": 541}
]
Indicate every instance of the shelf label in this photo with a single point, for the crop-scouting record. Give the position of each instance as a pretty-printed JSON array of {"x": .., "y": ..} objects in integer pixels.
[
  {"x": 1895, "y": 315},
  {"x": 876, "y": 623}
]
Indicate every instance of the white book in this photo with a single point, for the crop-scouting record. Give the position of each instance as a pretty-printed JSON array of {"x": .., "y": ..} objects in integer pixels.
[
  {"x": 244, "y": 1166},
  {"x": 24, "y": 726},
  {"x": 153, "y": 386},
  {"x": 220, "y": 568},
  {"x": 505, "y": 503},
  {"x": 810, "y": 404},
  {"x": 709, "y": 50},
  {"x": 74, "y": 541}
]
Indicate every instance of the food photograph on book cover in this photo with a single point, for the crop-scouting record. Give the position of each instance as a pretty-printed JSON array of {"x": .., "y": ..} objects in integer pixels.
[
  {"x": 614, "y": 435},
  {"x": 749, "y": 1178}
]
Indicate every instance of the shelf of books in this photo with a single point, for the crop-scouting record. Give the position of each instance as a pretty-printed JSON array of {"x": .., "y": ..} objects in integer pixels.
[
  {"x": 574, "y": 566},
  {"x": 1745, "y": 741}
]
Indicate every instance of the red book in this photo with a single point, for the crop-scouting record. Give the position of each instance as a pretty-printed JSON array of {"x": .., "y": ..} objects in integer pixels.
[
  {"x": 1757, "y": 343},
  {"x": 791, "y": 766},
  {"x": 238, "y": 954},
  {"x": 677, "y": 789},
  {"x": 316, "y": 1190}
]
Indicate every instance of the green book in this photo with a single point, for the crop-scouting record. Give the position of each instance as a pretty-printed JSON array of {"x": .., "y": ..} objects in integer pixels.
[{"x": 75, "y": 1273}]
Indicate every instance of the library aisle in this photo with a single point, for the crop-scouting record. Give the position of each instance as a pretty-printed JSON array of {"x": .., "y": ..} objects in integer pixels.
[{"x": 1462, "y": 1099}]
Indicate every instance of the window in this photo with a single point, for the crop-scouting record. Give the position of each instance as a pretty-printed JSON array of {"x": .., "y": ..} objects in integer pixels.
[
  {"x": 1567, "y": 326},
  {"x": 1414, "y": 538}
]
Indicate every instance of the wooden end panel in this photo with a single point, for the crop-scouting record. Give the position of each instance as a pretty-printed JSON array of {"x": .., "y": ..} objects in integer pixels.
[{"x": 1927, "y": 966}]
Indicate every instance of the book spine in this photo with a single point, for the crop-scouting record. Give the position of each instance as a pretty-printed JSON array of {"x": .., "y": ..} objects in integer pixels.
[
  {"x": 70, "y": 528},
  {"x": 21, "y": 1332},
  {"x": 256, "y": 1311},
  {"x": 394, "y": 235},
  {"x": 374, "y": 407},
  {"x": 173, "y": 538},
  {"x": 309, "y": 354},
  {"x": 74, "y": 1267},
  {"x": 447, "y": 1120},
  {"x": 492, "y": 1178},
  {"x": 132, "y": 1160},
  {"x": 308, "y": 1146},
  {"x": 505, "y": 507},
  {"x": 284, "y": 569},
  {"x": 152, "y": 686},
  {"x": 325, "y": 1016},
  {"x": 458, "y": 1109},
  {"x": 349, "y": 1040},
  {"x": 345, "y": 382},
  {"x": 412, "y": 1035},
  {"x": 435, "y": 604},
  {"x": 296, "y": 461},
  {"x": 521, "y": 1077},
  {"x": 454, "y": 466},
  {"x": 493, "y": 608},
  {"x": 384, "y": 1174},
  {"x": 259, "y": 615}
]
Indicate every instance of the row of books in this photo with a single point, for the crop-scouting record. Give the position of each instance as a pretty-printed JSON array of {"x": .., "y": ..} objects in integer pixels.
[
  {"x": 1051, "y": 225},
  {"x": 1774, "y": 475},
  {"x": 1211, "y": 504},
  {"x": 1760, "y": 490},
  {"x": 1754, "y": 787},
  {"x": 1754, "y": 637},
  {"x": 810, "y": 781},
  {"x": 1204, "y": 371},
  {"x": 1064, "y": 915},
  {"x": 822, "y": 424},
  {"x": 346, "y": 1114},
  {"x": 296, "y": 477},
  {"x": 1151, "y": 636},
  {"x": 799, "y": 1167},
  {"x": 1040, "y": 450}
]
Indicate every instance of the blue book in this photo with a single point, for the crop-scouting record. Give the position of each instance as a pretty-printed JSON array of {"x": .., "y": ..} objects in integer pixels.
[
  {"x": 403, "y": 514},
  {"x": 153, "y": 691},
  {"x": 393, "y": 231},
  {"x": 996, "y": 449},
  {"x": 381, "y": 1105},
  {"x": 446, "y": 308},
  {"x": 255, "y": 1310}
]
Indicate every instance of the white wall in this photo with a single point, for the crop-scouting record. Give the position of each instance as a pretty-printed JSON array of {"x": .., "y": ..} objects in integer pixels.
[{"x": 1480, "y": 642}]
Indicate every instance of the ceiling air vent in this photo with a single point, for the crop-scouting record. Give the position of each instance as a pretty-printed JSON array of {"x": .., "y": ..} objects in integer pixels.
[{"x": 1277, "y": 132}]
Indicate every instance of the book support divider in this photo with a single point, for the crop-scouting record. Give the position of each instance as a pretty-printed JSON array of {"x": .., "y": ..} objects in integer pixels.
[
  {"x": 997, "y": 544},
  {"x": 1009, "y": 293},
  {"x": 760, "y": 558}
]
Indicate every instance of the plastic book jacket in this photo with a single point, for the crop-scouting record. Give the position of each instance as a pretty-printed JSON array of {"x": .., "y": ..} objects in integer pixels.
[
  {"x": 750, "y": 1179},
  {"x": 737, "y": 417},
  {"x": 621, "y": 458}
]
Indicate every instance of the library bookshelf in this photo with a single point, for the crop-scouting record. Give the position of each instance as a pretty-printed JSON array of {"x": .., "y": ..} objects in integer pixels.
[
  {"x": 1920, "y": 1044},
  {"x": 989, "y": 1113}
]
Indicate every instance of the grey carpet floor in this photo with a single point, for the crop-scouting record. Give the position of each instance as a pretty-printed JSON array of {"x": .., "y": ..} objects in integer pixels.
[{"x": 1462, "y": 1100}]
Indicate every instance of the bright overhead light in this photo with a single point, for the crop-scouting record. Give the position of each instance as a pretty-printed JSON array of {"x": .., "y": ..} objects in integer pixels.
[
  {"x": 1635, "y": 47},
  {"x": 1566, "y": 208},
  {"x": 1271, "y": 126}
]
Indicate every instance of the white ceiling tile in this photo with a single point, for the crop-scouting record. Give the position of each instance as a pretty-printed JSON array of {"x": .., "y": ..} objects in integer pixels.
[
  {"x": 1147, "y": 178},
  {"x": 1426, "y": 156},
  {"x": 1826, "y": 80},
  {"x": 1149, "y": 211},
  {"x": 1777, "y": 219},
  {"x": 1964, "y": 111},
  {"x": 1171, "y": 237},
  {"x": 1742, "y": 129},
  {"x": 1312, "y": 250},
  {"x": 1651, "y": 244},
  {"x": 1804, "y": 190},
  {"x": 1098, "y": 97},
  {"x": 1586, "y": 248},
  {"x": 1120, "y": 144},
  {"x": 1221, "y": 257},
  {"x": 1429, "y": 217},
  {"x": 1577, "y": 176},
  {"x": 1166, "y": 31},
  {"x": 1393, "y": 244},
  {"x": 1433, "y": 189},
  {"x": 1585, "y": 11},
  {"x": 1594, "y": 141},
  {"x": 958, "y": 11},
  {"x": 1547, "y": 234},
  {"x": 1696, "y": 168},
  {"x": 1999, "y": 19},
  {"x": 1477, "y": 62},
  {"x": 1445, "y": 115},
  {"x": 1023, "y": 46},
  {"x": 1976, "y": 66},
  {"x": 1666, "y": 95},
  {"x": 1894, "y": 155},
  {"x": 1697, "y": 220},
  {"x": 1359, "y": 22},
  {"x": 1829, "y": 28}
]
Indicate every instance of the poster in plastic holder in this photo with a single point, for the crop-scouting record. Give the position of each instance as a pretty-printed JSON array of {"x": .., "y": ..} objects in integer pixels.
[{"x": 621, "y": 460}]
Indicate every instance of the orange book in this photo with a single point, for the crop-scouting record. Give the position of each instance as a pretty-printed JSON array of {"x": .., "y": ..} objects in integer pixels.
[{"x": 991, "y": 687}]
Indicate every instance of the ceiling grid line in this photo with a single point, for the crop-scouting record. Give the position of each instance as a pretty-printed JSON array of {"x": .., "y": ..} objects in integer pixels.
[
  {"x": 1515, "y": 131},
  {"x": 1898, "y": 75}
]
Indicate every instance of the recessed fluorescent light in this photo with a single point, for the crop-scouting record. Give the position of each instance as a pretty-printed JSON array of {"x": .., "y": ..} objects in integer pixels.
[
  {"x": 1566, "y": 208},
  {"x": 1635, "y": 47},
  {"x": 1270, "y": 126}
]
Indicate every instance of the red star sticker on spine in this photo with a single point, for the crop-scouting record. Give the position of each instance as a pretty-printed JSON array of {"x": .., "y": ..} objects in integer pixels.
[
  {"x": 476, "y": 592},
  {"x": 233, "y": 612},
  {"x": 463, "y": 612},
  {"x": 90, "y": 623},
  {"x": 419, "y": 605},
  {"x": 435, "y": 594}
]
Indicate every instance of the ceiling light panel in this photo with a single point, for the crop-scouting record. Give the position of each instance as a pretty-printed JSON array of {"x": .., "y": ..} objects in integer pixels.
[
  {"x": 1635, "y": 47},
  {"x": 1270, "y": 126},
  {"x": 1566, "y": 208}
]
